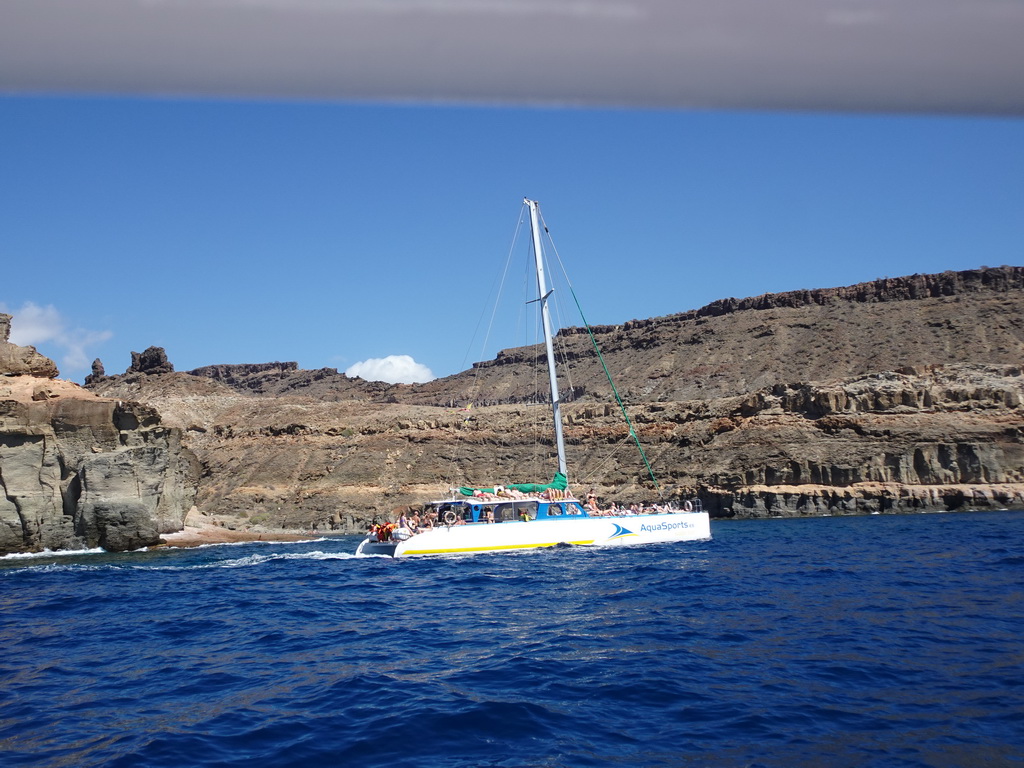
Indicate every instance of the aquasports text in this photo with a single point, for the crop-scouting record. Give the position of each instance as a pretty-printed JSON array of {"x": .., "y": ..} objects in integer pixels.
[{"x": 664, "y": 527}]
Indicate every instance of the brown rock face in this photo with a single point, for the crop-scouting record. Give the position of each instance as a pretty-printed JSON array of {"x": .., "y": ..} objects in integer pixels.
[
  {"x": 22, "y": 361},
  {"x": 732, "y": 347},
  {"x": 79, "y": 471},
  {"x": 895, "y": 395},
  {"x": 288, "y": 379}
]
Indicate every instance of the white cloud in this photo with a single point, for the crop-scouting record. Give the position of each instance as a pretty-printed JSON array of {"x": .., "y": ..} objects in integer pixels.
[
  {"x": 43, "y": 326},
  {"x": 394, "y": 369}
]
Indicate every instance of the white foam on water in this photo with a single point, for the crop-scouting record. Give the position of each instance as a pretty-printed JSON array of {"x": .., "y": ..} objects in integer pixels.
[
  {"x": 256, "y": 559},
  {"x": 228, "y": 544},
  {"x": 235, "y": 544},
  {"x": 53, "y": 553},
  {"x": 253, "y": 560},
  {"x": 244, "y": 562}
]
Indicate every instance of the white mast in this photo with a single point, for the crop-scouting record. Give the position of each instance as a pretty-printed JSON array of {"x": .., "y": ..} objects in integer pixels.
[{"x": 544, "y": 293}]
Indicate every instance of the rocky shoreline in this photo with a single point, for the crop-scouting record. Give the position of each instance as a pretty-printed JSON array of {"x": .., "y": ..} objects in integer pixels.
[{"x": 757, "y": 502}]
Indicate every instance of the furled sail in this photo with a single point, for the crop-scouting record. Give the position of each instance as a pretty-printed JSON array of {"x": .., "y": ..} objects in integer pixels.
[{"x": 558, "y": 483}]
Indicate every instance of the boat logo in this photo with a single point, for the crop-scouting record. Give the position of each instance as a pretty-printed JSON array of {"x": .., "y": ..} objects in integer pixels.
[{"x": 620, "y": 532}]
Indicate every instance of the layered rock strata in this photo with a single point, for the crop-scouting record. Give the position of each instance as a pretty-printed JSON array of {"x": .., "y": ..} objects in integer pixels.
[
  {"x": 80, "y": 471},
  {"x": 733, "y": 346},
  {"x": 901, "y": 394},
  {"x": 936, "y": 439}
]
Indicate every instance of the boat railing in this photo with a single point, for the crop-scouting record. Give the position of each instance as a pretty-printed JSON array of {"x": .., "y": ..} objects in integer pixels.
[{"x": 688, "y": 505}]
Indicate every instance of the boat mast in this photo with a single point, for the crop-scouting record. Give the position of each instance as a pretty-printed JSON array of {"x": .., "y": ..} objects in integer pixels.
[{"x": 544, "y": 294}]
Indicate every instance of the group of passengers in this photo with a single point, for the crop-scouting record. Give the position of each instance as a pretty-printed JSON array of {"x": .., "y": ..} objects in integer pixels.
[
  {"x": 413, "y": 523},
  {"x": 633, "y": 509},
  {"x": 416, "y": 523}
]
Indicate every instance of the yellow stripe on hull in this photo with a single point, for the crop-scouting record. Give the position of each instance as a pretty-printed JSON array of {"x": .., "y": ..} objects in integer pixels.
[{"x": 491, "y": 549}]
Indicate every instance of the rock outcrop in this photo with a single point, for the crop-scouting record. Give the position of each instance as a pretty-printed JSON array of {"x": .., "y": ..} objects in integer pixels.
[
  {"x": 151, "y": 362},
  {"x": 98, "y": 374},
  {"x": 77, "y": 470},
  {"x": 22, "y": 361},
  {"x": 282, "y": 379}
]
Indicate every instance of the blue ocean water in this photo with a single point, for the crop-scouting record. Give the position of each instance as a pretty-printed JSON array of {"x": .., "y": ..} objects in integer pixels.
[{"x": 866, "y": 641}]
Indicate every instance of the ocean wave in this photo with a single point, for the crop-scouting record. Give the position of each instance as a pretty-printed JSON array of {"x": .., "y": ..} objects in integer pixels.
[
  {"x": 53, "y": 553},
  {"x": 249, "y": 561}
]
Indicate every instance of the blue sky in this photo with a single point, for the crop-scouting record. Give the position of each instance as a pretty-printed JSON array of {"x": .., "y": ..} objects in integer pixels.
[{"x": 329, "y": 234}]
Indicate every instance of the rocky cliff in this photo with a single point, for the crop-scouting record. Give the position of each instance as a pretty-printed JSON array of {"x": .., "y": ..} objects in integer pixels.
[
  {"x": 901, "y": 394},
  {"x": 77, "y": 470},
  {"x": 735, "y": 346},
  {"x": 22, "y": 361}
]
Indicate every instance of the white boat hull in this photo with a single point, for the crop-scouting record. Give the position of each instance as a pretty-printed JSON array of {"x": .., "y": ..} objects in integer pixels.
[{"x": 512, "y": 535}]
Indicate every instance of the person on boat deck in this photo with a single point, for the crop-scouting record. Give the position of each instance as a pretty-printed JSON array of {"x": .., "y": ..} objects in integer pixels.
[
  {"x": 524, "y": 515},
  {"x": 403, "y": 521},
  {"x": 592, "y": 501},
  {"x": 490, "y": 515}
]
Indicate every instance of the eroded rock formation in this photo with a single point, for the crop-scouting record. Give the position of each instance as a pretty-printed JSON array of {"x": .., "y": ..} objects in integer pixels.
[
  {"x": 77, "y": 470},
  {"x": 98, "y": 373},
  {"x": 151, "y": 362},
  {"x": 22, "y": 361}
]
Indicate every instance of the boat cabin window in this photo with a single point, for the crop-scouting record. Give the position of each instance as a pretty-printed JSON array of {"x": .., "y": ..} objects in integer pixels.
[
  {"x": 523, "y": 510},
  {"x": 448, "y": 514},
  {"x": 555, "y": 510},
  {"x": 488, "y": 513}
]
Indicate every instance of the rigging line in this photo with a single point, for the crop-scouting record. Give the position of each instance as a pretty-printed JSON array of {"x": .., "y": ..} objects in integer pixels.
[
  {"x": 474, "y": 387},
  {"x": 600, "y": 357},
  {"x": 610, "y": 456},
  {"x": 599, "y": 468},
  {"x": 501, "y": 288},
  {"x": 563, "y": 348}
]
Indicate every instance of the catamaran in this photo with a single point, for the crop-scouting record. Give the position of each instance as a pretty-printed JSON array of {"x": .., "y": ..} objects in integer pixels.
[{"x": 530, "y": 516}]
